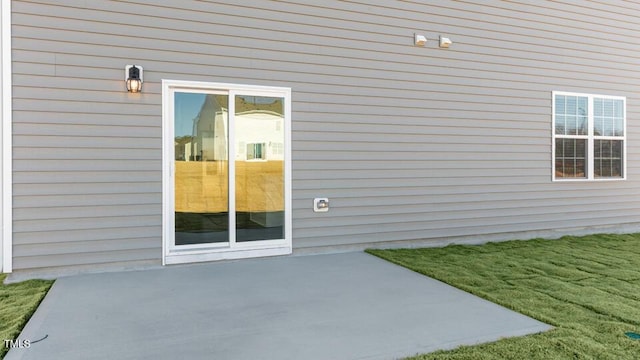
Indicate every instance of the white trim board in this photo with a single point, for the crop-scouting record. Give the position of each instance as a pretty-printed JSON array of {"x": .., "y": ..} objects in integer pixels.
[{"x": 6, "y": 243}]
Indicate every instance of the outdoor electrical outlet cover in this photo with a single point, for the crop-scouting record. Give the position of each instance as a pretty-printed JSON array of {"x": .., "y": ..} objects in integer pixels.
[{"x": 320, "y": 204}]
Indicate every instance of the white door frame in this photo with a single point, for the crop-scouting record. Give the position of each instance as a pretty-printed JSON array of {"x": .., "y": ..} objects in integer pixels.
[
  {"x": 6, "y": 217},
  {"x": 172, "y": 254}
]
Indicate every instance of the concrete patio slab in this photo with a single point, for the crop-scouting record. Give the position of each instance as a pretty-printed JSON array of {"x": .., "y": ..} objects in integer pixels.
[{"x": 339, "y": 306}]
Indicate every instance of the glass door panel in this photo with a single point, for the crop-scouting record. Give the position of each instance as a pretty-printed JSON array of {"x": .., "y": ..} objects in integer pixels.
[
  {"x": 259, "y": 167},
  {"x": 201, "y": 168}
]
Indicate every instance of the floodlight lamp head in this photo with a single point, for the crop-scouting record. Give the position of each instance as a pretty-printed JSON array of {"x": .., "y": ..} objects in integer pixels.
[{"x": 445, "y": 42}]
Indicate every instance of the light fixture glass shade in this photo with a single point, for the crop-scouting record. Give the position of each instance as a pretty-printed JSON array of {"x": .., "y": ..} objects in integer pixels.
[
  {"x": 134, "y": 79},
  {"x": 134, "y": 85}
]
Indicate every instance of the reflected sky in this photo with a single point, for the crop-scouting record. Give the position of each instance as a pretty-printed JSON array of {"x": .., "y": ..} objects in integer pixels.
[{"x": 187, "y": 107}]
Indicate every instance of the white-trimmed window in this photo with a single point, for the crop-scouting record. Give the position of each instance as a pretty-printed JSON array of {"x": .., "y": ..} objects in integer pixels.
[
  {"x": 589, "y": 136},
  {"x": 256, "y": 151}
]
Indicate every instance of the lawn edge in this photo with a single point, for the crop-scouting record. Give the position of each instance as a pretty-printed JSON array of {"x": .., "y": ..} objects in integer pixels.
[{"x": 25, "y": 316}]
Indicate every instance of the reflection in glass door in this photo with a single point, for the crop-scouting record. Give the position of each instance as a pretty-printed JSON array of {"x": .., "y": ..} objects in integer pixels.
[
  {"x": 227, "y": 183},
  {"x": 259, "y": 167},
  {"x": 201, "y": 168}
]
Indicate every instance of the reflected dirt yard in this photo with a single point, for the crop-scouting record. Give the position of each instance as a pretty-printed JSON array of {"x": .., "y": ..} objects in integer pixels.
[{"x": 201, "y": 201}]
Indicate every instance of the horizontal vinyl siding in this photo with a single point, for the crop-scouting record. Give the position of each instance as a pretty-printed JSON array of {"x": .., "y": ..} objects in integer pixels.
[
  {"x": 87, "y": 155},
  {"x": 408, "y": 143}
]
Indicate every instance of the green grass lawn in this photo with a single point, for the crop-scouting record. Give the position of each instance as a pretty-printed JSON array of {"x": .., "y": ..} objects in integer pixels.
[
  {"x": 587, "y": 287},
  {"x": 17, "y": 304}
]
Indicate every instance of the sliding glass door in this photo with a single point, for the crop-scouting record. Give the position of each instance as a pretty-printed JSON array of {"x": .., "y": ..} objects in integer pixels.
[
  {"x": 227, "y": 193},
  {"x": 259, "y": 175},
  {"x": 201, "y": 170}
]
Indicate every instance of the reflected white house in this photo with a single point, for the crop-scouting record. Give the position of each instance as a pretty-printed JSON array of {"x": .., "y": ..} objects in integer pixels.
[{"x": 259, "y": 135}]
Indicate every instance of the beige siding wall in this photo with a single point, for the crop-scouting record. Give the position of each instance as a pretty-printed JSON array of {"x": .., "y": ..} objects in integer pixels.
[{"x": 409, "y": 143}]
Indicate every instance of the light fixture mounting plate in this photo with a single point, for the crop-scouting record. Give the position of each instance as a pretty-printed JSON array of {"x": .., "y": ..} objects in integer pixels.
[{"x": 126, "y": 72}]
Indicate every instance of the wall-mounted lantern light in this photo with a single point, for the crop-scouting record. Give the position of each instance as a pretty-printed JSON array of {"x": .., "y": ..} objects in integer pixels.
[{"x": 133, "y": 78}]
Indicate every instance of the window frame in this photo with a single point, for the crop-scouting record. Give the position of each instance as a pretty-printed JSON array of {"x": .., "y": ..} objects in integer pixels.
[
  {"x": 590, "y": 138},
  {"x": 255, "y": 146}
]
